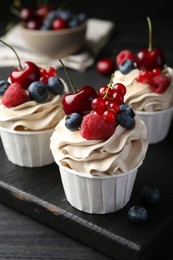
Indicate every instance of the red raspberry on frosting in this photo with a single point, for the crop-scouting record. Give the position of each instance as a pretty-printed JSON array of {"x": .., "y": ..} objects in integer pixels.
[
  {"x": 14, "y": 96},
  {"x": 94, "y": 127}
]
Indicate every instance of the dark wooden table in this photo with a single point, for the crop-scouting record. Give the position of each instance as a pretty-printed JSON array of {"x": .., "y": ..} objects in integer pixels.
[{"x": 25, "y": 237}]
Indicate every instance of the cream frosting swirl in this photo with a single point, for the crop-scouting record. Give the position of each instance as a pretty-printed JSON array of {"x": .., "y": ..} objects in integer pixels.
[
  {"x": 139, "y": 96},
  {"x": 32, "y": 115},
  {"x": 122, "y": 152}
]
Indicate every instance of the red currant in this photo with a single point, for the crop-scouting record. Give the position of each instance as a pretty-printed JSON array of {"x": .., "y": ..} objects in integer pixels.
[
  {"x": 51, "y": 72},
  {"x": 112, "y": 106},
  {"x": 109, "y": 116},
  {"x": 102, "y": 91},
  {"x": 118, "y": 97},
  {"x": 98, "y": 105},
  {"x": 120, "y": 87},
  {"x": 145, "y": 76}
]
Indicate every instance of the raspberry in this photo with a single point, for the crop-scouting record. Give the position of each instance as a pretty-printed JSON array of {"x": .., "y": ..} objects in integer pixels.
[
  {"x": 159, "y": 84},
  {"x": 14, "y": 95},
  {"x": 94, "y": 127},
  {"x": 124, "y": 55}
]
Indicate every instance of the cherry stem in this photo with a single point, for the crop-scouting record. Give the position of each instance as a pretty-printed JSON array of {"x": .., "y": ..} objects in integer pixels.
[
  {"x": 68, "y": 76},
  {"x": 20, "y": 65},
  {"x": 150, "y": 34}
]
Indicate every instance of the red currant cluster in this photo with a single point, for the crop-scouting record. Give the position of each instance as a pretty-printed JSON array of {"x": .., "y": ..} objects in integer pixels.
[
  {"x": 156, "y": 80},
  {"x": 47, "y": 73},
  {"x": 146, "y": 76},
  {"x": 108, "y": 101}
]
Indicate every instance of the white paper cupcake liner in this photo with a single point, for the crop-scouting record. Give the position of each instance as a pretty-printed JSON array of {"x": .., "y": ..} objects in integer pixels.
[
  {"x": 27, "y": 148},
  {"x": 95, "y": 194},
  {"x": 158, "y": 124}
]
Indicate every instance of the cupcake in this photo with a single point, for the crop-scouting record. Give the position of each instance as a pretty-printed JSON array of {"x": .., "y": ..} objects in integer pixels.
[
  {"x": 30, "y": 108},
  {"x": 149, "y": 84},
  {"x": 99, "y": 149}
]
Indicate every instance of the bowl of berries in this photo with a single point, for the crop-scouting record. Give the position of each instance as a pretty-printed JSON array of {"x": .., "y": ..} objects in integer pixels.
[{"x": 52, "y": 32}]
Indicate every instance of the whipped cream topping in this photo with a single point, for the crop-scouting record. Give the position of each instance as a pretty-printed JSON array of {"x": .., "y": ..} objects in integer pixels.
[
  {"x": 122, "y": 152},
  {"x": 34, "y": 116},
  {"x": 140, "y": 97}
]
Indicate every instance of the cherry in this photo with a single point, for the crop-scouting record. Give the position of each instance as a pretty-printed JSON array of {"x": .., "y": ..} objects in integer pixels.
[
  {"x": 27, "y": 14},
  {"x": 29, "y": 73},
  {"x": 33, "y": 24},
  {"x": 78, "y": 101},
  {"x": 59, "y": 23},
  {"x": 150, "y": 58},
  {"x": 42, "y": 11},
  {"x": 25, "y": 74},
  {"x": 105, "y": 66}
]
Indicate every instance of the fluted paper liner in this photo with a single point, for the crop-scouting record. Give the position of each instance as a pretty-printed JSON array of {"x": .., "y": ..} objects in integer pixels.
[
  {"x": 96, "y": 194},
  {"x": 27, "y": 148},
  {"x": 157, "y": 123}
]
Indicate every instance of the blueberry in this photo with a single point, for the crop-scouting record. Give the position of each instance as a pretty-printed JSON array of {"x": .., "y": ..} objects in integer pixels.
[
  {"x": 55, "y": 85},
  {"x": 3, "y": 86},
  {"x": 82, "y": 17},
  {"x": 66, "y": 14},
  {"x": 52, "y": 15},
  {"x": 150, "y": 194},
  {"x": 47, "y": 25},
  {"x": 138, "y": 214},
  {"x": 73, "y": 121},
  {"x": 38, "y": 91},
  {"x": 126, "y": 66},
  {"x": 74, "y": 21},
  {"x": 126, "y": 116}
]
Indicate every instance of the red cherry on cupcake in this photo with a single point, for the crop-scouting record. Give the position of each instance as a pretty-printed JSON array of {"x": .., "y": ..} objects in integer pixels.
[
  {"x": 26, "y": 74},
  {"x": 78, "y": 101},
  {"x": 150, "y": 58}
]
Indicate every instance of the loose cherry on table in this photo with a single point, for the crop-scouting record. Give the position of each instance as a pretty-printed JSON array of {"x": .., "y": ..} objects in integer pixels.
[
  {"x": 150, "y": 58},
  {"x": 105, "y": 66},
  {"x": 79, "y": 100},
  {"x": 25, "y": 74}
]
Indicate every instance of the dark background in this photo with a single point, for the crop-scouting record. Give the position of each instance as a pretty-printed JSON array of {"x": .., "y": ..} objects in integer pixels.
[{"x": 129, "y": 17}]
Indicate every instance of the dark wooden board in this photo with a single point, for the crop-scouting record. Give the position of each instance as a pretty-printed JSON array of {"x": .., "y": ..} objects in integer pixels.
[{"x": 38, "y": 193}]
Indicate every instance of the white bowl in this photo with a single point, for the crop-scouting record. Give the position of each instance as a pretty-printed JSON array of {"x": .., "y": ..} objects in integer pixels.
[
  {"x": 27, "y": 148},
  {"x": 55, "y": 43},
  {"x": 96, "y": 194},
  {"x": 157, "y": 123}
]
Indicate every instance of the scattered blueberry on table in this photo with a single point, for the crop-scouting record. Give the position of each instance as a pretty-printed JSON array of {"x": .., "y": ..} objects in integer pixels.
[{"x": 138, "y": 214}]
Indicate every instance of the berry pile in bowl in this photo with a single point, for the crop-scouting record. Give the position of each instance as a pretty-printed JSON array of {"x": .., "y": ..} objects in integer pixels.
[{"x": 53, "y": 32}]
